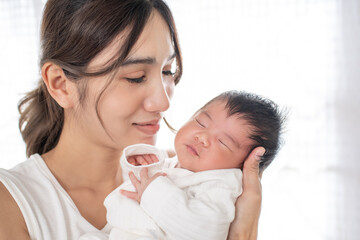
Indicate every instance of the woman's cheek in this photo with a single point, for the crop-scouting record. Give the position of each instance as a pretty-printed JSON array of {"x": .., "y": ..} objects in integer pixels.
[{"x": 170, "y": 87}]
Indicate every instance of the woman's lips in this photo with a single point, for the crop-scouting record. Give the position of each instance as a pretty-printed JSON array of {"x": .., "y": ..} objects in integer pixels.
[
  {"x": 192, "y": 150},
  {"x": 149, "y": 128}
]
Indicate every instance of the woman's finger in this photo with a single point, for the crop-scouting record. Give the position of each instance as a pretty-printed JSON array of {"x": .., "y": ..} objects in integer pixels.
[
  {"x": 248, "y": 205},
  {"x": 251, "y": 170}
]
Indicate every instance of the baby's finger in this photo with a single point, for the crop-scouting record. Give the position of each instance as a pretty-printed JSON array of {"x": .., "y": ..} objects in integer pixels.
[
  {"x": 131, "y": 195},
  {"x": 153, "y": 158},
  {"x": 141, "y": 160},
  {"x": 148, "y": 158},
  {"x": 131, "y": 160},
  {"x": 144, "y": 174},
  {"x": 134, "y": 180},
  {"x": 157, "y": 175}
]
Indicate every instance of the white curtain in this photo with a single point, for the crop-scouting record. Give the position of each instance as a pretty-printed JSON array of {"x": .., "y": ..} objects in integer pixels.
[
  {"x": 19, "y": 71},
  {"x": 304, "y": 55}
]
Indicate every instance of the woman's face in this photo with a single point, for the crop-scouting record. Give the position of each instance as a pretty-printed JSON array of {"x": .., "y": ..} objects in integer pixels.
[{"x": 133, "y": 102}]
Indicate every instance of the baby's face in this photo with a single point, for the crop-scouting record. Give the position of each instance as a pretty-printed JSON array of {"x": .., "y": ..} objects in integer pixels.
[{"x": 212, "y": 140}]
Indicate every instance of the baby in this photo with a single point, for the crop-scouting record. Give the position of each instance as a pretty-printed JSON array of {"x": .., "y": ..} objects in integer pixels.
[{"x": 192, "y": 196}]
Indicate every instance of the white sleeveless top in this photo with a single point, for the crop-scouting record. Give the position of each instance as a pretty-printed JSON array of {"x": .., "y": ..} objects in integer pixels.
[{"x": 48, "y": 210}]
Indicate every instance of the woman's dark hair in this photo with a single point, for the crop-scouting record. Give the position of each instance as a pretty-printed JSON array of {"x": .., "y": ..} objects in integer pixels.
[
  {"x": 264, "y": 117},
  {"x": 73, "y": 32}
]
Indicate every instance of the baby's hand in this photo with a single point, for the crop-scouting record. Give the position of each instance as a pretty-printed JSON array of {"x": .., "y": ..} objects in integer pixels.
[
  {"x": 140, "y": 185},
  {"x": 144, "y": 159}
]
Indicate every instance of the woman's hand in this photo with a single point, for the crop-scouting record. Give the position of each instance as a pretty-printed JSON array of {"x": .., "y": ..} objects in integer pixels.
[{"x": 248, "y": 205}]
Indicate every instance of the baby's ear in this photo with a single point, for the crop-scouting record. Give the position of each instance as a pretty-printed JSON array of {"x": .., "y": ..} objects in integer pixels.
[{"x": 58, "y": 85}]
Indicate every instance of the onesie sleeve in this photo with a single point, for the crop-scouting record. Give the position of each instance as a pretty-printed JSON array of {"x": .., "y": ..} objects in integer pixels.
[
  {"x": 203, "y": 214},
  {"x": 140, "y": 149}
]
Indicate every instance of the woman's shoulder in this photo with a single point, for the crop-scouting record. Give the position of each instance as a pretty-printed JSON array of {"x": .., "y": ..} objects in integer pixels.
[
  {"x": 30, "y": 182},
  {"x": 19, "y": 190},
  {"x": 33, "y": 194},
  {"x": 28, "y": 161},
  {"x": 23, "y": 172},
  {"x": 12, "y": 223}
]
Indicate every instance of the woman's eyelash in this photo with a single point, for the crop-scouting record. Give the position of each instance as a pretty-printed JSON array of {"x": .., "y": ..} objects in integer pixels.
[
  {"x": 199, "y": 123},
  {"x": 141, "y": 79},
  {"x": 168, "y": 73},
  {"x": 136, "y": 80}
]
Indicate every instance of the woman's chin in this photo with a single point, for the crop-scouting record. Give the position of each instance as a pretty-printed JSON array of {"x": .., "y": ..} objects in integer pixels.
[{"x": 151, "y": 140}]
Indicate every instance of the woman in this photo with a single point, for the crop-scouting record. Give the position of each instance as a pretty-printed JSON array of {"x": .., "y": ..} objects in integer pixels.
[{"x": 107, "y": 78}]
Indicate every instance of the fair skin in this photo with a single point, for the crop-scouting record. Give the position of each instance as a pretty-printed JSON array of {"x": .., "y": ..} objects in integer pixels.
[
  {"x": 213, "y": 140},
  {"x": 209, "y": 140},
  {"x": 129, "y": 107}
]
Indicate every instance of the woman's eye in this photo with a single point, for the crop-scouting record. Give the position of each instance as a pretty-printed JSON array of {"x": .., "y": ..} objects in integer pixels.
[
  {"x": 136, "y": 80},
  {"x": 202, "y": 125},
  {"x": 168, "y": 73}
]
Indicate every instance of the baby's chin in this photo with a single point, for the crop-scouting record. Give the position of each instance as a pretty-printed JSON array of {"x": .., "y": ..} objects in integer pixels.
[
  {"x": 182, "y": 163},
  {"x": 180, "y": 158}
]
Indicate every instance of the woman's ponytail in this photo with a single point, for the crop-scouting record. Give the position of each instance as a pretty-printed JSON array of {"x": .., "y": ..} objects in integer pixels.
[{"x": 41, "y": 120}]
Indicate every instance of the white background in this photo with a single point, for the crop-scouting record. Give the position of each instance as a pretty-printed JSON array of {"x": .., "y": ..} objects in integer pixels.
[{"x": 303, "y": 54}]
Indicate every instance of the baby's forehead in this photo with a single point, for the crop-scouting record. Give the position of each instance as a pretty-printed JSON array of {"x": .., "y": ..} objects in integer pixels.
[
  {"x": 219, "y": 112},
  {"x": 209, "y": 108}
]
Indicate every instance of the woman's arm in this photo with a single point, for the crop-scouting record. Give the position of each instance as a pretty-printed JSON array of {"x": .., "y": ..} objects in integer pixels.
[
  {"x": 12, "y": 223},
  {"x": 248, "y": 205}
]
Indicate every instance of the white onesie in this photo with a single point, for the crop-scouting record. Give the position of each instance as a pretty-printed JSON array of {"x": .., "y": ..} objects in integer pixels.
[{"x": 181, "y": 205}]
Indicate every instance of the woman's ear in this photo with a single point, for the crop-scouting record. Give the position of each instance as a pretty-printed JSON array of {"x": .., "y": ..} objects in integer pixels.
[{"x": 59, "y": 86}]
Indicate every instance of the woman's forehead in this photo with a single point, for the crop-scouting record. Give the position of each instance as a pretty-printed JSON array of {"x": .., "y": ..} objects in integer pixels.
[{"x": 154, "y": 43}]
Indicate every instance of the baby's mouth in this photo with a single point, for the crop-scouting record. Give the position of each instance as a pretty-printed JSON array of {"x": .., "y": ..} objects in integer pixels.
[{"x": 192, "y": 150}]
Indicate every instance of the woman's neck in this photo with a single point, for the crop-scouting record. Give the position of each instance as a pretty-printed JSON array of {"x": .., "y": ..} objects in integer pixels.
[{"x": 76, "y": 163}]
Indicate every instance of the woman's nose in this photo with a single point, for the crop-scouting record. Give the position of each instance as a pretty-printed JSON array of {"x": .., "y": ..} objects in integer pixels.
[
  {"x": 203, "y": 139},
  {"x": 158, "y": 99}
]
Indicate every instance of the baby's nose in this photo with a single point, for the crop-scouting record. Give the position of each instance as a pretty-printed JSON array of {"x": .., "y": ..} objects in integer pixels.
[{"x": 203, "y": 139}]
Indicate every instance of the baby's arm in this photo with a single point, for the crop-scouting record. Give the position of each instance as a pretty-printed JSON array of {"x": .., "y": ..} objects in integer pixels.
[{"x": 205, "y": 216}]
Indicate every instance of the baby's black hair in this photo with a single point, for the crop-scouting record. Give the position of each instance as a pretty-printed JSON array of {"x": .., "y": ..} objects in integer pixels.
[{"x": 264, "y": 117}]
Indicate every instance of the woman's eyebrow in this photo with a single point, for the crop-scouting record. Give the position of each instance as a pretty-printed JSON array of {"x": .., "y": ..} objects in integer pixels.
[{"x": 146, "y": 60}]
